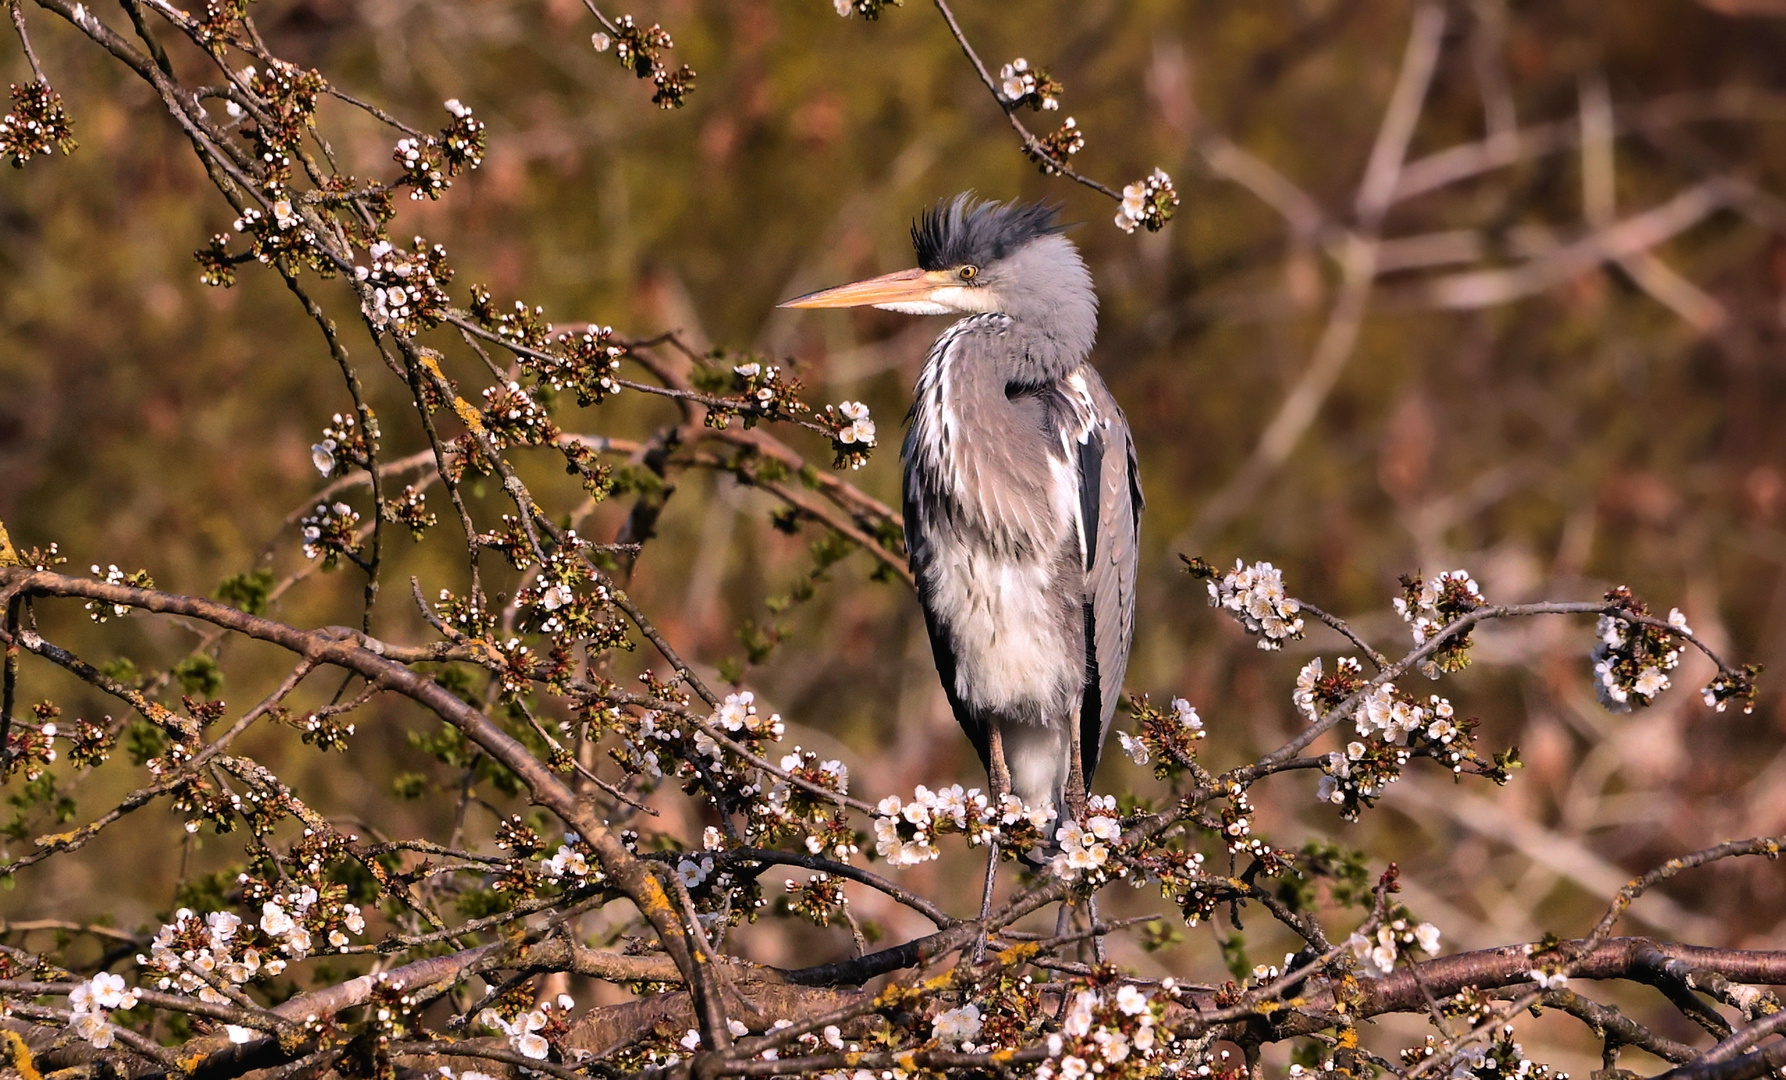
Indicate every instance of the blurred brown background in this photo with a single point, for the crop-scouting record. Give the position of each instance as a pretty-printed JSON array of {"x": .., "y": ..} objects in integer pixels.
[{"x": 1621, "y": 424}]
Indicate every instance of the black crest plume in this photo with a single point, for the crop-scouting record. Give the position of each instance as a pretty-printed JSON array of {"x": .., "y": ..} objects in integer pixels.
[{"x": 968, "y": 231}]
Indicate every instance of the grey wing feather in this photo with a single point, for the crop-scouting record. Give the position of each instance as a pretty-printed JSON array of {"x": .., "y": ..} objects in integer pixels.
[
  {"x": 1110, "y": 577},
  {"x": 942, "y": 644}
]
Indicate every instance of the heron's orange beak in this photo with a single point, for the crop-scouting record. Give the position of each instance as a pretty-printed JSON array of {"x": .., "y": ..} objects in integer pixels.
[{"x": 904, "y": 287}]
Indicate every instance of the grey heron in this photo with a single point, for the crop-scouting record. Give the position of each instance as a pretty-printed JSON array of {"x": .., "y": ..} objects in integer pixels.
[{"x": 1022, "y": 498}]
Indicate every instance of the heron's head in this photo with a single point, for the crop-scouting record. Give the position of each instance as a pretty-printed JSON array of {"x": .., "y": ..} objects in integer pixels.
[{"x": 976, "y": 257}]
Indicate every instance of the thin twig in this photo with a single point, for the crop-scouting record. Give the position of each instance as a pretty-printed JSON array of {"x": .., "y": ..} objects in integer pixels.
[{"x": 1031, "y": 144}]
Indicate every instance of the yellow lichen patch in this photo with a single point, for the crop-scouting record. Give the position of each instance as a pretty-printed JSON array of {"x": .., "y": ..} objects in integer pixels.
[
  {"x": 652, "y": 898},
  {"x": 468, "y": 414},
  {"x": 898, "y": 995},
  {"x": 9, "y": 555},
  {"x": 189, "y": 1064},
  {"x": 1348, "y": 1039},
  {"x": 1018, "y": 953},
  {"x": 20, "y": 1055}
]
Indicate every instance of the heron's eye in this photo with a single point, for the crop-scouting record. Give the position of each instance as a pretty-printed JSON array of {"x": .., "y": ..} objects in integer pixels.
[{"x": 968, "y": 273}]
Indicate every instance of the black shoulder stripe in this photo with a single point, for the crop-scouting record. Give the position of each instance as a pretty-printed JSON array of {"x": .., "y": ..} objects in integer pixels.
[
  {"x": 1091, "y": 483},
  {"x": 1091, "y": 704}
]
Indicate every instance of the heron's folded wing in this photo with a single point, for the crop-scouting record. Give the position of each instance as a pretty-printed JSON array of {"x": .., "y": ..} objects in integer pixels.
[{"x": 1113, "y": 555}]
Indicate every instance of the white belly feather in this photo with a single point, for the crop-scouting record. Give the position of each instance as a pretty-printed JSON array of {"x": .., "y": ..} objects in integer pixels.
[{"x": 1010, "y": 648}]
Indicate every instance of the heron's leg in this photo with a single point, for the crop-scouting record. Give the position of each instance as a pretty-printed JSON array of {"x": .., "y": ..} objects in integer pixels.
[
  {"x": 1063, "y": 922},
  {"x": 998, "y": 779},
  {"x": 979, "y": 952},
  {"x": 1075, "y": 794},
  {"x": 998, "y": 772}
]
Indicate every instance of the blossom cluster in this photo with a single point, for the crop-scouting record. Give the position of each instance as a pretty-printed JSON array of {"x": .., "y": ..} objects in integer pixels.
[
  {"x": 30, "y": 749},
  {"x": 1393, "y": 727},
  {"x": 1632, "y": 660},
  {"x": 1164, "y": 738},
  {"x": 1085, "y": 849},
  {"x": 1051, "y": 152},
  {"x": 565, "y": 601},
  {"x": 323, "y": 729},
  {"x": 1316, "y": 691},
  {"x": 1148, "y": 203},
  {"x": 1500, "y": 1058},
  {"x": 1395, "y": 716},
  {"x": 586, "y": 361},
  {"x": 766, "y": 393},
  {"x": 655, "y": 744},
  {"x": 511, "y": 538},
  {"x": 1355, "y": 777},
  {"x": 1430, "y": 606},
  {"x": 1108, "y": 1034},
  {"x": 1255, "y": 595},
  {"x": 91, "y": 1003},
  {"x": 514, "y": 418},
  {"x": 1392, "y": 940},
  {"x": 792, "y": 809},
  {"x": 1179, "y": 872},
  {"x": 957, "y": 1028},
  {"x": 642, "y": 51},
  {"x": 285, "y": 98},
  {"x": 205, "y": 956},
  {"x": 409, "y": 508},
  {"x": 869, "y": 9},
  {"x": 217, "y": 267},
  {"x": 534, "y": 1032},
  {"x": 344, "y": 443},
  {"x": 408, "y": 288},
  {"x": 465, "y": 617},
  {"x": 462, "y": 141},
  {"x": 99, "y": 611},
  {"x": 429, "y": 162},
  {"x": 815, "y": 899},
  {"x": 330, "y": 532},
  {"x": 1729, "y": 686},
  {"x": 523, "y": 327},
  {"x": 905, "y": 831},
  {"x": 36, "y": 124},
  {"x": 282, "y": 235},
  {"x": 852, "y": 433},
  {"x": 738, "y": 713},
  {"x": 570, "y": 865},
  {"x": 1020, "y": 84},
  {"x": 420, "y": 170}
]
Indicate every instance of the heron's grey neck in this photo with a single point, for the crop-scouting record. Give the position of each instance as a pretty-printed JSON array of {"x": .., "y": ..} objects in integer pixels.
[
  {"x": 978, "y": 452},
  {"x": 1046, "y": 292}
]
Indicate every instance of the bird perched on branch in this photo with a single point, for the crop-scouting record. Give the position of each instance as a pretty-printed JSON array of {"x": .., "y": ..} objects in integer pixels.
[{"x": 1022, "y": 500}]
